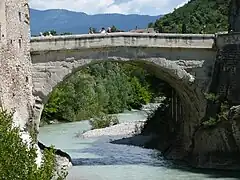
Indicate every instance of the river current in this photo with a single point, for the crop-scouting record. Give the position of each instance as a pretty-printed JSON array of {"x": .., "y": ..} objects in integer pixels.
[{"x": 97, "y": 159}]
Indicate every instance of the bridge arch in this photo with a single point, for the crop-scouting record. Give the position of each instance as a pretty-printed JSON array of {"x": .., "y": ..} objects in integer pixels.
[
  {"x": 169, "y": 57},
  {"x": 191, "y": 97}
]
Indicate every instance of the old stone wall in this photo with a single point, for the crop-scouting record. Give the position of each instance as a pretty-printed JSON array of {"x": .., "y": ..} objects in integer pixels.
[
  {"x": 234, "y": 16},
  {"x": 225, "y": 81},
  {"x": 123, "y": 39},
  {"x": 227, "y": 73},
  {"x": 216, "y": 142},
  {"x": 52, "y": 67},
  {"x": 15, "y": 62}
]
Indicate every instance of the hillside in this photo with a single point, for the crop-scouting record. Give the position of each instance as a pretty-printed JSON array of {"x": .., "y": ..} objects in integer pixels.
[
  {"x": 197, "y": 16},
  {"x": 78, "y": 22}
]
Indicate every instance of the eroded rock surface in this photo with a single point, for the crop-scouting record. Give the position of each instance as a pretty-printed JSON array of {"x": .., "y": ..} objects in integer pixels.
[
  {"x": 234, "y": 16},
  {"x": 218, "y": 146},
  {"x": 63, "y": 160}
]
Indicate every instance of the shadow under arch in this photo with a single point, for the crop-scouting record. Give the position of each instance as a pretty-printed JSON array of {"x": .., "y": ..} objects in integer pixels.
[{"x": 192, "y": 99}]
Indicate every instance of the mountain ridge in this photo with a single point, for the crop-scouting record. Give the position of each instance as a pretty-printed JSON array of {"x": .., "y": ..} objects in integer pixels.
[{"x": 63, "y": 20}]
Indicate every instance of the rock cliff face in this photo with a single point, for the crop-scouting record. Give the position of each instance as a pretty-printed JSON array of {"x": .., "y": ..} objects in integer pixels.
[
  {"x": 218, "y": 145},
  {"x": 234, "y": 16},
  {"x": 63, "y": 160}
]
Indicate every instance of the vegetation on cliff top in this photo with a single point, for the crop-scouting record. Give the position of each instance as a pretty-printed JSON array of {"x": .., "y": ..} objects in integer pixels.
[{"x": 197, "y": 16}]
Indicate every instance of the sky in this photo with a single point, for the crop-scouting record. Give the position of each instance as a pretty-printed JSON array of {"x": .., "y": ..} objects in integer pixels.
[{"x": 149, "y": 7}]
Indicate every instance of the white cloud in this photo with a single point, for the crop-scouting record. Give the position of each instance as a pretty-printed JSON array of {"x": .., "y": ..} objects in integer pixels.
[
  {"x": 183, "y": 3},
  {"x": 152, "y": 7}
]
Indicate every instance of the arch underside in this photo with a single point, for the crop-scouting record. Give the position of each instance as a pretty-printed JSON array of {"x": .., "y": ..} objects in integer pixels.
[{"x": 48, "y": 74}]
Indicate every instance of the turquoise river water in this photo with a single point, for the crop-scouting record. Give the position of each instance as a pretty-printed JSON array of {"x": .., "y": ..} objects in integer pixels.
[{"x": 97, "y": 159}]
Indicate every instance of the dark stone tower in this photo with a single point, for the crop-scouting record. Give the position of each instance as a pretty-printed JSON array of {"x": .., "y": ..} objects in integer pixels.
[{"x": 234, "y": 16}]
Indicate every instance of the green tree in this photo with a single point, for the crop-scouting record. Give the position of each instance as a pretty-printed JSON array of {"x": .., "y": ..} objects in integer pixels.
[
  {"x": 107, "y": 88},
  {"x": 150, "y": 25},
  {"x": 199, "y": 16},
  {"x": 17, "y": 160},
  {"x": 184, "y": 28},
  {"x": 52, "y": 32}
]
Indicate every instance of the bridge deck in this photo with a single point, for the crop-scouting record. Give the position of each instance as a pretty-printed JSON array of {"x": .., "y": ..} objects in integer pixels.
[{"x": 125, "y": 39}]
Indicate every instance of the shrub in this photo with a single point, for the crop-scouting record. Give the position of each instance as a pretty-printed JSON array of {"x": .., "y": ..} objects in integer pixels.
[
  {"x": 224, "y": 110},
  {"x": 211, "y": 97},
  {"x": 103, "y": 120},
  {"x": 222, "y": 115},
  {"x": 17, "y": 161},
  {"x": 210, "y": 122}
]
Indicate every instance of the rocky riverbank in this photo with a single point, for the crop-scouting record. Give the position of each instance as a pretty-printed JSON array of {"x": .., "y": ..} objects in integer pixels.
[
  {"x": 122, "y": 129},
  {"x": 127, "y": 133},
  {"x": 123, "y": 133}
]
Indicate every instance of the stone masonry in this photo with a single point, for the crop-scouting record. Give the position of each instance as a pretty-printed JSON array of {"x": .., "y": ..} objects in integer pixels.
[
  {"x": 226, "y": 80},
  {"x": 55, "y": 58},
  {"x": 15, "y": 62},
  {"x": 234, "y": 16},
  {"x": 218, "y": 146},
  {"x": 184, "y": 61}
]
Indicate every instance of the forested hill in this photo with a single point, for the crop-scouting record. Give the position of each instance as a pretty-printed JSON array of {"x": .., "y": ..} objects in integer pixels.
[
  {"x": 197, "y": 16},
  {"x": 62, "y": 21}
]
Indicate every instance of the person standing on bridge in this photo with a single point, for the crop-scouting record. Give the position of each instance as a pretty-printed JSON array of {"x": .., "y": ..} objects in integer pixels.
[
  {"x": 90, "y": 31},
  {"x": 103, "y": 31},
  {"x": 41, "y": 34},
  {"x": 109, "y": 30}
]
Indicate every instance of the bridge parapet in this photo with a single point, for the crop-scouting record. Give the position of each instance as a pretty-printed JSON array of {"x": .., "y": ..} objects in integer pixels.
[
  {"x": 156, "y": 40},
  {"x": 227, "y": 38}
]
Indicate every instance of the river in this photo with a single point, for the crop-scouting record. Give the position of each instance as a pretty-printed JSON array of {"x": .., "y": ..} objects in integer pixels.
[{"x": 97, "y": 159}]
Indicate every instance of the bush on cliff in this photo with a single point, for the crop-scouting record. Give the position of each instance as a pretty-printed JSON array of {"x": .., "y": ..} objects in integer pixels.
[{"x": 17, "y": 161}]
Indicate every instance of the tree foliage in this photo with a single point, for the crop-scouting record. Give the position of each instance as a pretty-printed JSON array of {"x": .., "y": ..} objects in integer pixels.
[
  {"x": 101, "y": 88},
  {"x": 54, "y": 33},
  {"x": 17, "y": 160},
  {"x": 103, "y": 120},
  {"x": 115, "y": 29},
  {"x": 197, "y": 16}
]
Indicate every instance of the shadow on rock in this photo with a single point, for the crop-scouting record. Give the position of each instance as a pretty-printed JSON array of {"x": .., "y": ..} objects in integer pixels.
[
  {"x": 57, "y": 151},
  {"x": 138, "y": 140}
]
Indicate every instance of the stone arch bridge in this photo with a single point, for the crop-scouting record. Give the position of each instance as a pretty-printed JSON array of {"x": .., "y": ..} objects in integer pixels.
[{"x": 184, "y": 61}]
